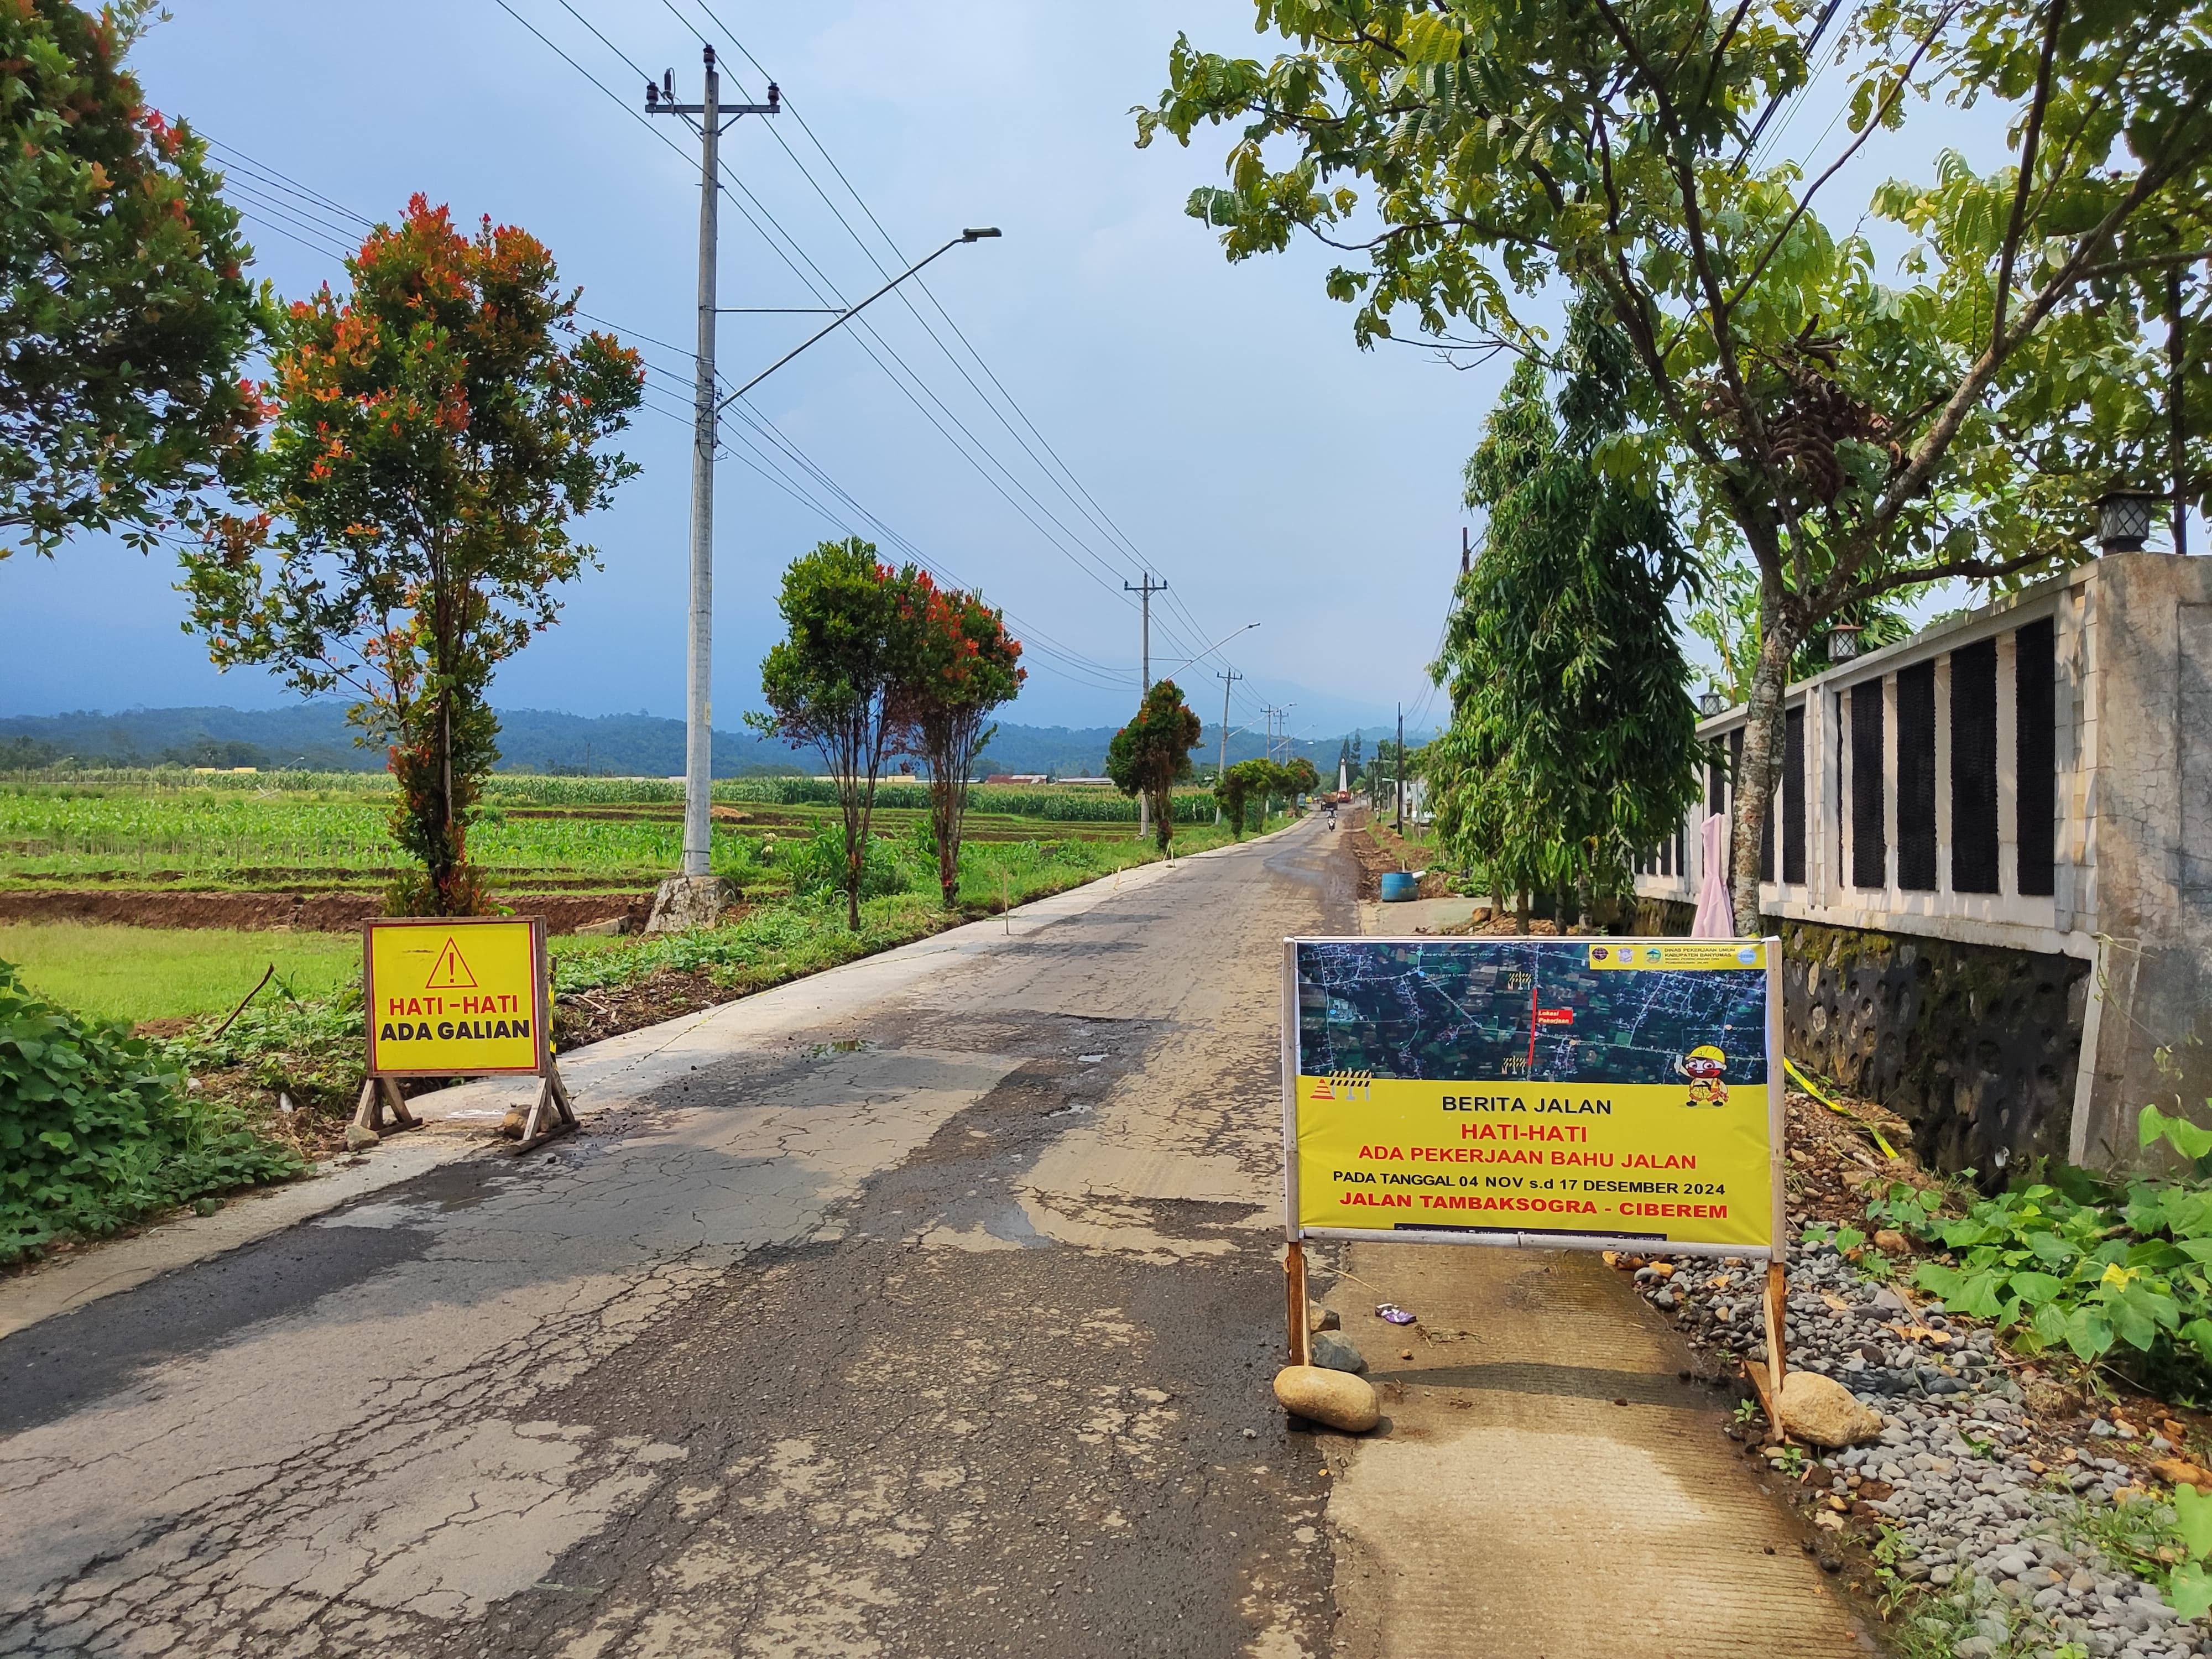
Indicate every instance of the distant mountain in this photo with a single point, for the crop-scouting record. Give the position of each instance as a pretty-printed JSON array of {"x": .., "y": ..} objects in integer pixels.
[{"x": 314, "y": 735}]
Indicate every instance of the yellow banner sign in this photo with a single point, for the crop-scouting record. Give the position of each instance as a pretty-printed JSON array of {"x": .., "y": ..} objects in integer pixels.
[
  {"x": 455, "y": 997},
  {"x": 1550, "y": 1091}
]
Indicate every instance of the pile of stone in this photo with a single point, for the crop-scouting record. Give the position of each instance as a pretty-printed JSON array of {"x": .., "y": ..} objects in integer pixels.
[{"x": 1988, "y": 1505}]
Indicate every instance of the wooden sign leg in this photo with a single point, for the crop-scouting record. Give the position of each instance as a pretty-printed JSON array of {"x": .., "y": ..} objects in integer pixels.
[
  {"x": 551, "y": 1114},
  {"x": 401, "y": 1118},
  {"x": 1294, "y": 1285},
  {"x": 376, "y": 1094},
  {"x": 1776, "y": 1301}
]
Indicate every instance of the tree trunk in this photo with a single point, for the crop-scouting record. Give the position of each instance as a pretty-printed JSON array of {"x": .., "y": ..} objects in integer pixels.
[
  {"x": 944, "y": 820},
  {"x": 1521, "y": 911},
  {"x": 1761, "y": 769}
]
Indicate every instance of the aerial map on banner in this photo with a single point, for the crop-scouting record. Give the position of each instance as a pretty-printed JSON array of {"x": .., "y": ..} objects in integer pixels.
[{"x": 1592, "y": 1089}]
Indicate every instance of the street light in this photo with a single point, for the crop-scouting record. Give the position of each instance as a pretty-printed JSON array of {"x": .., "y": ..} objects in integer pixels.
[
  {"x": 698, "y": 745},
  {"x": 1210, "y": 649},
  {"x": 983, "y": 234},
  {"x": 2124, "y": 519}
]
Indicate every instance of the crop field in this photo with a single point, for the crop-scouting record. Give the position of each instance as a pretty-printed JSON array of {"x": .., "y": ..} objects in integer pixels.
[{"x": 154, "y": 831}]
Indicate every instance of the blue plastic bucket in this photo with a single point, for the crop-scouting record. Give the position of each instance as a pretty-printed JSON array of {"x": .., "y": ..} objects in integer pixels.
[{"x": 1397, "y": 886}]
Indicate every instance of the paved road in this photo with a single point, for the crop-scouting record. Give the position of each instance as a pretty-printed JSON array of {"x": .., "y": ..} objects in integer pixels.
[{"x": 928, "y": 1310}]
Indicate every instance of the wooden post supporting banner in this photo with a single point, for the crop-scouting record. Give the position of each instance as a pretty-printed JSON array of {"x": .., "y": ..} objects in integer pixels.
[
  {"x": 1294, "y": 1285},
  {"x": 1767, "y": 1378}
]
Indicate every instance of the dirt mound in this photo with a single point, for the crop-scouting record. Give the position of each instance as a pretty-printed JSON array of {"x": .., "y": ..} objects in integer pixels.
[{"x": 304, "y": 912}]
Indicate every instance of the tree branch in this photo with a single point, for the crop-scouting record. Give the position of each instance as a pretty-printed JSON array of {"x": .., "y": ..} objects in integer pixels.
[
  {"x": 1913, "y": 476},
  {"x": 1682, "y": 162},
  {"x": 2146, "y": 262},
  {"x": 2028, "y": 148},
  {"x": 1980, "y": 570},
  {"x": 1805, "y": 201}
]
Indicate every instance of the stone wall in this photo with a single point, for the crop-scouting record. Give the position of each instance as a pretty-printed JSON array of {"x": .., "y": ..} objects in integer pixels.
[{"x": 1976, "y": 1046}]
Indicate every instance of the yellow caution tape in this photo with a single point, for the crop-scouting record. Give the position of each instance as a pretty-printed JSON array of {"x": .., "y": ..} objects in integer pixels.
[{"x": 1812, "y": 1089}]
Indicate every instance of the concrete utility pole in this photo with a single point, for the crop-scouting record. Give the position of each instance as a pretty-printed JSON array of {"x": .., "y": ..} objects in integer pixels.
[
  {"x": 1228, "y": 678},
  {"x": 1146, "y": 591},
  {"x": 708, "y": 118},
  {"x": 1400, "y": 790}
]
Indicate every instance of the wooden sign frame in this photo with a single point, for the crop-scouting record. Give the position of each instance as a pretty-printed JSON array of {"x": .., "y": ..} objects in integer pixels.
[{"x": 550, "y": 1114}]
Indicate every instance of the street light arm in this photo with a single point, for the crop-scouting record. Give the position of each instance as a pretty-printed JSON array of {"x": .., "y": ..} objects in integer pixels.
[
  {"x": 843, "y": 318},
  {"x": 1211, "y": 649}
]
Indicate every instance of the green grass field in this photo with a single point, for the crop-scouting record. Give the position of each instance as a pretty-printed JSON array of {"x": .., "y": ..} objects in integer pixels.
[
  {"x": 172, "y": 830},
  {"x": 135, "y": 974}
]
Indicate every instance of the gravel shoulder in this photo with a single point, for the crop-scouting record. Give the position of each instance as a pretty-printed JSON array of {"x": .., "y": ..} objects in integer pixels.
[{"x": 1980, "y": 1516}]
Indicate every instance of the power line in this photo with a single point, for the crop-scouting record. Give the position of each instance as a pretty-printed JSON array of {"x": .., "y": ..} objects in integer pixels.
[
  {"x": 865, "y": 331},
  {"x": 1084, "y": 557},
  {"x": 1092, "y": 511},
  {"x": 285, "y": 181},
  {"x": 769, "y": 431},
  {"x": 271, "y": 192},
  {"x": 1063, "y": 478}
]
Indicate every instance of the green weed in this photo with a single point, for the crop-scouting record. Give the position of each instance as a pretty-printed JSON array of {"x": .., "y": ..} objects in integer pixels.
[{"x": 98, "y": 1129}]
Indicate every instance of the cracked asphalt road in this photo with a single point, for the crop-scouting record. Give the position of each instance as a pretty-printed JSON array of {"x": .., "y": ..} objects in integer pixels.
[{"x": 933, "y": 1318}]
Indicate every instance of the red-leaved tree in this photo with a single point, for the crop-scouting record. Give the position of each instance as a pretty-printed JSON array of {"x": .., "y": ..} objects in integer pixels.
[
  {"x": 964, "y": 664},
  {"x": 432, "y": 435}
]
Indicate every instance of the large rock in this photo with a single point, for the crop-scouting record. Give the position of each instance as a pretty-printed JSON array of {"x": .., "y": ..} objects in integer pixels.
[
  {"x": 1337, "y": 1398},
  {"x": 1332, "y": 1352},
  {"x": 1822, "y": 1411},
  {"x": 684, "y": 902},
  {"x": 2179, "y": 1472},
  {"x": 359, "y": 1139}
]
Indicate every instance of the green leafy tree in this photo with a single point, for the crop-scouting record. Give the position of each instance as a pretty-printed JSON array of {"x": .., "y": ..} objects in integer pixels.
[
  {"x": 1147, "y": 756},
  {"x": 1851, "y": 437},
  {"x": 1573, "y": 744},
  {"x": 965, "y": 664},
  {"x": 1241, "y": 783},
  {"x": 432, "y": 437},
  {"x": 839, "y": 681},
  {"x": 124, "y": 312}
]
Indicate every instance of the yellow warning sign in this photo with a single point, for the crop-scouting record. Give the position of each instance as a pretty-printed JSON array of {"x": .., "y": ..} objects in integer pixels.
[{"x": 454, "y": 997}]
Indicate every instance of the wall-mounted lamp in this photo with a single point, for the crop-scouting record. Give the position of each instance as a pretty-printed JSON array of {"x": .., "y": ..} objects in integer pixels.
[
  {"x": 1843, "y": 642},
  {"x": 1712, "y": 703},
  {"x": 2123, "y": 519}
]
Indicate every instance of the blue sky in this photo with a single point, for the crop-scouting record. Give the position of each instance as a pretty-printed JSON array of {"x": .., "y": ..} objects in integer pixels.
[{"x": 1215, "y": 423}]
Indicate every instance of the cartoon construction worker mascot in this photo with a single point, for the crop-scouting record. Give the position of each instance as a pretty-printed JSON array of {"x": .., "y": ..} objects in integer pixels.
[{"x": 1702, "y": 1066}]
